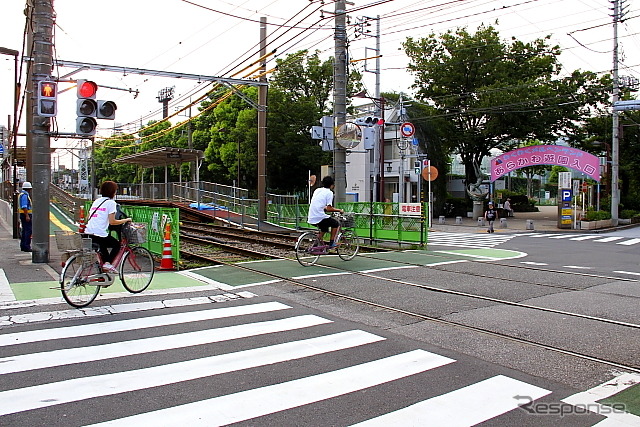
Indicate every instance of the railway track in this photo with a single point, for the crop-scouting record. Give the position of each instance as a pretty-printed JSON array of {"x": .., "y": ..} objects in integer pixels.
[{"x": 397, "y": 305}]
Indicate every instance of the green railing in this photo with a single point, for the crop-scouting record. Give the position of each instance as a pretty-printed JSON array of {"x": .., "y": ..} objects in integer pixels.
[
  {"x": 155, "y": 218},
  {"x": 374, "y": 221}
]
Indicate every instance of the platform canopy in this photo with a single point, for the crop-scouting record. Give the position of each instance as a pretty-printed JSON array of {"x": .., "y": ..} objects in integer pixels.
[{"x": 162, "y": 156}]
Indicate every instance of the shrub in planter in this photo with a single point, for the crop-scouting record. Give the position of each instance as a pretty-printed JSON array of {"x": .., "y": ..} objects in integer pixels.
[
  {"x": 628, "y": 213},
  {"x": 597, "y": 215}
]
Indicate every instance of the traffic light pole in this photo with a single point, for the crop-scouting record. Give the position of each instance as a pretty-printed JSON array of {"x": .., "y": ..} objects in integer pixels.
[{"x": 43, "y": 20}]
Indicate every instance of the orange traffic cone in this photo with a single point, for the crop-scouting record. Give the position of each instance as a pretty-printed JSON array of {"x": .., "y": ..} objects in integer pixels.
[
  {"x": 81, "y": 220},
  {"x": 167, "y": 257}
]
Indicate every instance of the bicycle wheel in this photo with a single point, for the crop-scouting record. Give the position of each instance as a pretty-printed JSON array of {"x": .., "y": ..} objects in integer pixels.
[
  {"x": 76, "y": 289},
  {"x": 305, "y": 242},
  {"x": 136, "y": 269},
  {"x": 349, "y": 246}
]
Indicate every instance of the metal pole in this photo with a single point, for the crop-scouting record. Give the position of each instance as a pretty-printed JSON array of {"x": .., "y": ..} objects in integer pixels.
[
  {"x": 340, "y": 98},
  {"x": 377, "y": 166},
  {"x": 42, "y": 68},
  {"x": 615, "y": 193},
  {"x": 262, "y": 127}
]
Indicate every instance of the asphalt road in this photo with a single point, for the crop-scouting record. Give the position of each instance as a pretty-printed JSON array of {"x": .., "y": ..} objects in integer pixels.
[{"x": 296, "y": 356}]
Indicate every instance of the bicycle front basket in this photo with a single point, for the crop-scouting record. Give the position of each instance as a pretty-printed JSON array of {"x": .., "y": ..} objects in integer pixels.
[
  {"x": 135, "y": 232},
  {"x": 68, "y": 240},
  {"x": 347, "y": 220}
]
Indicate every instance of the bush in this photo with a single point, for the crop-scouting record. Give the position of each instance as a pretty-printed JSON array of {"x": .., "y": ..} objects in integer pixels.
[
  {"x": 597, "y": 215},
  {"x": 521, "y": 203},
  {"x": 456, "y": 207},
  {"x": 628, "y": 213}
]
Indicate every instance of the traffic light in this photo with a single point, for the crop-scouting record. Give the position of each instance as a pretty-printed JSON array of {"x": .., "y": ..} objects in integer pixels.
[
  {"x": 106, "y": 110},
  {"x": 369, "y": 121},
  {"x": 86, "y": 108},
  {"x": 47, "y": 98}
]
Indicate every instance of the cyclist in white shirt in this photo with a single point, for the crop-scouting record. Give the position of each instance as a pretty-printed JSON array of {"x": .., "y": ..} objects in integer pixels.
[
  {"x": 102, "y": 214},
  {"x": 321, "y": 203}
]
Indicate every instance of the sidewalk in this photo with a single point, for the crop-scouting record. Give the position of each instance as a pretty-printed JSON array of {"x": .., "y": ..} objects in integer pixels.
[{"x": 544, "y": 221}]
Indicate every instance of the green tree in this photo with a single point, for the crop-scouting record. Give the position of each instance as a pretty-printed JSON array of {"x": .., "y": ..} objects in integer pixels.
[{"x": 494, "y": 94}]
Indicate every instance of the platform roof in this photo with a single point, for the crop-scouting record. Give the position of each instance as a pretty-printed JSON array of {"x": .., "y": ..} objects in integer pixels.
[{"x": 162, "y": 156}]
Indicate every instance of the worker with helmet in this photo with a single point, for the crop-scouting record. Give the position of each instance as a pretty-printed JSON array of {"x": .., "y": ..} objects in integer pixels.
[{"x": 24, "y": 202}]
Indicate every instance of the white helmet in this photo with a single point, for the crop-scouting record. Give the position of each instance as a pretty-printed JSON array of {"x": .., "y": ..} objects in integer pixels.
[{"x": 26, "y": 185}]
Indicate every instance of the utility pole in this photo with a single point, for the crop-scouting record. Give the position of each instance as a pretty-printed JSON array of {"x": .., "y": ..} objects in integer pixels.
[
  {"x": 262, "y": 125},
  {"x": 340, "y": 98},
  {"x": 42, "y": 66},
  {"x": 615, "y": 191}
]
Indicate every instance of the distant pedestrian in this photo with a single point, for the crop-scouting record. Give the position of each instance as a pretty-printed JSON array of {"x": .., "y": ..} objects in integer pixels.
[
  {"x": 24, "y": 200},
  {"x": 507, "y": 207},
  {"x": 490, "y": 215}
]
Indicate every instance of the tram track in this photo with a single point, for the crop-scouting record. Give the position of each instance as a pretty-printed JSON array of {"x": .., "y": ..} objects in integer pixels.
[{"x": 397, "y": 308}]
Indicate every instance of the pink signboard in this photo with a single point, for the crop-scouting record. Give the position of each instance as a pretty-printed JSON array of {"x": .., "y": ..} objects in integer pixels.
[{"x": 546, "y": 155}]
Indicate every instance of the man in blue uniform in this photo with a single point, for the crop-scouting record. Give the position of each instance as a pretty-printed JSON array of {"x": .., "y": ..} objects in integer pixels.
[{"x": 24, "y": 201}]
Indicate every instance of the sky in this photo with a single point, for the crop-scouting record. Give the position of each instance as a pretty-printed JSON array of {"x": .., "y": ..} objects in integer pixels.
[{"x": 219, "y": 37}]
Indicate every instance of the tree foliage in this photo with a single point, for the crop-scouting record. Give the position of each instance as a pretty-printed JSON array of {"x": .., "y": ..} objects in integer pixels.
[{"x": 494, "y": 94}]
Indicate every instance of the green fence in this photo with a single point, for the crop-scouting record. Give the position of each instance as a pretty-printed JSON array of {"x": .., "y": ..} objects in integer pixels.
[
  {"x": 374, "y": 221},
  {"x": 155, "y": 218}
]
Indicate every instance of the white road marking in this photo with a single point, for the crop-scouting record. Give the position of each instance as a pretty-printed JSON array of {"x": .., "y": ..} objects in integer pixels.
[
  {"x": 44, "y": 395},
  {"x": 563, "y": 236},
  {"x": 27, "y": 362},
  {"x": 609, "y": 239},
  {"x": 466, "y": 406},
  {"x": 591, "y": 236},
  {"x": 533, "y": 263},
  {"x": 627, "y": 272},
  {"x": 6, "y": 294},
  {"x": 577, "y": 267},
  {"x": 132, "y": 324},
  {"x": 233, "y": 408},
  {"x": 629, "y": 242}
]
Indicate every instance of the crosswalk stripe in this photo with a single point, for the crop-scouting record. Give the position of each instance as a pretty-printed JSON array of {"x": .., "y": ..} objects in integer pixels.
[
  {"x": 126, "y": 325},
  {"x": 233, "y": 408},
  {"x": 44, "y": 395},
  {"x": 584, "y": 238},
  {"x": 609, "y": 239},
  {"x": 466, "y": 406},
  {"x": 562, "y": 236},
  {"x": 68, "y": 356},
  {"x": 629, "y": 242}
]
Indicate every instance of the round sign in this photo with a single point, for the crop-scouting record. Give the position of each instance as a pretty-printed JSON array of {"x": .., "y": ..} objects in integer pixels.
[
  {"x": 407, "y": 129},
  {"x": 430, "y": 173},
  {"x": 348, "y": 135}
]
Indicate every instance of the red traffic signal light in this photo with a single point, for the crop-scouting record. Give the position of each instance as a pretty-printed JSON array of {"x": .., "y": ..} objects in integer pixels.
[
  {"x": 87, "y": 89},
  {"x": 47, "y": 100}
]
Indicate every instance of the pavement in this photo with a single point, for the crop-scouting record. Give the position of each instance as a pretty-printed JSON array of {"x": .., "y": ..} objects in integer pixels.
[{"x": 16, "y": 267}]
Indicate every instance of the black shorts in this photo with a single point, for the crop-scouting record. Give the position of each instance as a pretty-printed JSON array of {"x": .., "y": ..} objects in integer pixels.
[{"x": 327, "y": 223}]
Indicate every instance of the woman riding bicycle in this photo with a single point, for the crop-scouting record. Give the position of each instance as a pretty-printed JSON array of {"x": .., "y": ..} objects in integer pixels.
[
  {"x": 102, "y": 214},
  {"x": 322, "y": 202}
]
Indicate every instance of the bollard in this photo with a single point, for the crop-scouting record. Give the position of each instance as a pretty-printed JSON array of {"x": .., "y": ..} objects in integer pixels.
[
  {"x": 458, "y": 220},
  {"x": 480, "y": 221},
  {"x": 441, "y": 219},
  {"x": 503, "y": 222},
  {"x": 529, "y": 224}
]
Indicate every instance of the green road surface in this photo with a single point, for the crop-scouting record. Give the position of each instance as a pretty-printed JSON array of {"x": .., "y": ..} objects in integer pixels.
[
  {"x": 228, "y": 277},
  {"x": 629, "y": 397}
]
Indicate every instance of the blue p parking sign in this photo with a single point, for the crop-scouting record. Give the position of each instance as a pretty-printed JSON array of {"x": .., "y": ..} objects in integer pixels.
[{"x": 566, "y": 195}]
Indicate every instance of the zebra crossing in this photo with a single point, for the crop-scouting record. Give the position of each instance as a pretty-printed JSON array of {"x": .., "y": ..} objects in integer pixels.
[
  {"x": 490, "y": 240},
  {"x": 257, "y": 361},
  {"x": 593, "y": 238},
  {"x": 468, "y": 240}
]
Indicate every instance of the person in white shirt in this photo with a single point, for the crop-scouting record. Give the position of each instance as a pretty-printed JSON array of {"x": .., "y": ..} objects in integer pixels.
[
  {"x": 102, "y": 214},
  {"x": 507, "y": 207},
  {"x": 321, "y": 203}
]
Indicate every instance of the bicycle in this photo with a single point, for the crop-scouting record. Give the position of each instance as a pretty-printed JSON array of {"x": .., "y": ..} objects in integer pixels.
[
  {"x": 82, "y": 275},
  {"x": 309, "y": 248}
]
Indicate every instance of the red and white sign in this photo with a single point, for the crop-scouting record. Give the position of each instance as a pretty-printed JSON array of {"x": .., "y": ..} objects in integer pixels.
[
  {"x": 407, "y": 129},
  {"x": 410, "y": 209}
]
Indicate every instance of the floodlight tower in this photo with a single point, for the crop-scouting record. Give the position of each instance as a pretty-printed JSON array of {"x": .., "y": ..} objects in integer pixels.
[{"x": 164, "y": 96}]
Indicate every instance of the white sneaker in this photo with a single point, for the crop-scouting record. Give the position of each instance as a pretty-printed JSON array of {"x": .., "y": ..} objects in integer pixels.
[{"x": 109, "y": 268}]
